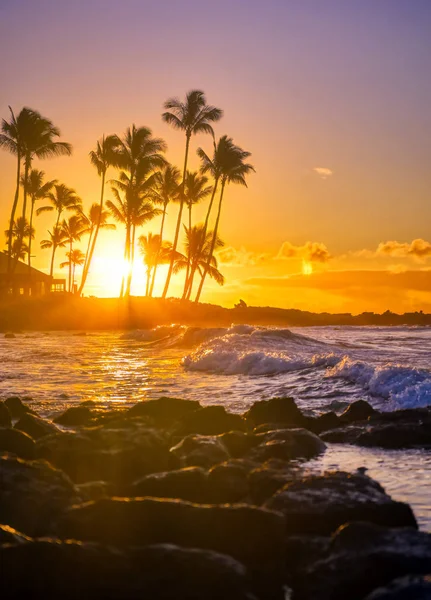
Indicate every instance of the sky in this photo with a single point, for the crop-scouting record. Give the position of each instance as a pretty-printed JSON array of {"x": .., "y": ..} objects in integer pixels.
[{"x": 331, "y": 98}]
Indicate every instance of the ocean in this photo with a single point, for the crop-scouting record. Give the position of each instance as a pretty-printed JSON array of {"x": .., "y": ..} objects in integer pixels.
[{"x": 323, "y": 368}]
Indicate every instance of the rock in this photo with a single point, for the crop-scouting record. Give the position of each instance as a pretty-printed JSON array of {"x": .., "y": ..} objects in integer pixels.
[
  {"x": 323, "y": 422},
  {"x": 5, "y": 416},
  {"x": 393, "y": 435},
  {"x": 9, "y": 336},
  {"x": 268, "y": 478},
  {"x": 16, "y": 406},
  {"x": 35, "y": 427},
  {"x": 360, "y": 558},
  {"x": 287, "y": 444},
  {"x": 185, "y": 484},
  {"x": 8, "y": 535},
  {"x": 228, "y": 482},
  {"x": 253, "y": 536},
  {"x": 165, "y": 411},
  {"x": 75, "y": 415},
  {"x": 17, "y": 442},
  {"x": 200, "y": 451},
  {"x": 210, "y": 420},
  {"x": 358, "y": 411},
  {"x": 405, "y": 588},
  {"x": 32, "y": 493},
  {"x": 94, "y": 490},
  {"x": 91, "y": 571},
  {"x": 238, "y": 443},
  {"x": 276, "y": 410},
  {"x": 319, "y": 504}
]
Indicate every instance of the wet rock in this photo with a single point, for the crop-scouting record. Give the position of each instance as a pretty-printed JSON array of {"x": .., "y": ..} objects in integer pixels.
[
  {"x": 32, "y": 493},
  {"x": 253, "y": 536},
  {"x": 276, "y": 410},
  {"x": 95, "y": 490},
  {"x": 9, "y": 335},
  {"x": 405, "y": 588},
  {"x": 200, "y": 451},
  {"x": 270, "y": 477},
  {"x": 393, "y": 435},
  {"x": 35, "y": 427},
  {"x": 228, "y": 482},
  {"x": 165, "y": 411},
  {"x": 360, "y": 558},
  {"x": 323, "y": 422},
  {"x": 210, "y": 420},
  {"x": 8, "y": 535},
  {"x": 5, "y": 416},
  {"x": 17, "y": 407},
  {"x": 358, "y": 411},
  {"x": 287, "y": 444},
  {"x": 158, "y": 571},
  {"x": 17, "y": 442},
  {"x": 74, "y": 416},
  {"x": 238, "y": 443},
  {"x": 185, "y": 484},
  {"x": 319, "y": 504}
]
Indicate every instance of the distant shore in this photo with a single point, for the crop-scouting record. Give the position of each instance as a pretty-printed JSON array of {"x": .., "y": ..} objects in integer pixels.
[{"x": 73, "y": 313}]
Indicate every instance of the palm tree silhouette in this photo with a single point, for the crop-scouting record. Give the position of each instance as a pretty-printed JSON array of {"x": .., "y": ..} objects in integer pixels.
[
  {"x": 76, "y": 257},
  {"x": 62, "y": 198},
  {"x": 37, "y": 190},
  {"x": 57, "y": 239},
  {"x": 102, "y": 158},
  {"x": 166, "y": 190},
  {"x": 73, "y": 229},
  {"x": 230, "y": 167},
  {"x": 154, "y": 251},
  {"x": 192, "y": 116},
  {"x": 21, "y": 230}
]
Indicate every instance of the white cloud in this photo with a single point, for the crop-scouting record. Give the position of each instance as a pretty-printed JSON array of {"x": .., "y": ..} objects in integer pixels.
[{"x": 323, "y": 172}]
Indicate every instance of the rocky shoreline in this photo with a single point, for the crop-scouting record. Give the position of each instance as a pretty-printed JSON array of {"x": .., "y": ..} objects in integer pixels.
[{"x": 169, "y": 499}]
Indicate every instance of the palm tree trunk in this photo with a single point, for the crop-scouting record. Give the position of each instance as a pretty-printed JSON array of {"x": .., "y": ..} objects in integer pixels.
[
  {"x": 177, "y": 230},
  {"x": 156, "y": 262},
  {"x": 29, "y": 239},
  {"x": 213, "y": 242},
  {"x": 12, "y": 218},
  {"x": 73, "y": 276},
  {"x": 147, "y": 289},
  {"x": 54, "y": 247},
  {"x": 70, "y": 265},
  {"x": 93, "y": 245},
  {"x": 131, "y": 261},
  {"x": 87, "y": 252},
  {"x": 188, "y": 254},
  {"x": 26, "y": 170},
  {"x": 204, "y": 232},
  {"x": 126, "y": 258}
]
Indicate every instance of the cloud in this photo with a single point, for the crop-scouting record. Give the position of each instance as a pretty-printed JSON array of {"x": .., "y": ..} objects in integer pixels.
[
  {"x": 419, "y": 249},
  {"x": 310, "y": 252},
  {"x": 239, "y": 257},
  {"x": 323, "y": 172}
]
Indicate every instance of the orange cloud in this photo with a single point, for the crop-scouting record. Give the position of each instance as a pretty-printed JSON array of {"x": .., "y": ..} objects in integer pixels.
[
  {"x": 419, "y": 249},
  {"x": 323, "y": 172},
  {"x": 310, "y": 252},
  {"x": 239, "y": 257}
]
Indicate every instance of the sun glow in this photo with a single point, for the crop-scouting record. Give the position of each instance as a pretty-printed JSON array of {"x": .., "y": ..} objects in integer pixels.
[{"x": 307, "y": 268}]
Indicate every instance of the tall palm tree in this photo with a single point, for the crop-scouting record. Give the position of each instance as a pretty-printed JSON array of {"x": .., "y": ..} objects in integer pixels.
[
  {"x": 62, "y": 198},
  {"x": 37, "y": 190},
  {"x": 154, "y": 251},
  {"x": 73, "y": 229},
  {"x": 21, "y": 230},
  {"x": 102, "y": 158},
  {"x": 195, "y": 190},
  {"x": 192, "y": 116},
  {"x": 57, "y": 239},
  {"x": 232, "y": 169},
  {"x": 165, "y": 191},
  {"x": 95, "y": 220},
  {"x": 75, "y": 257}
]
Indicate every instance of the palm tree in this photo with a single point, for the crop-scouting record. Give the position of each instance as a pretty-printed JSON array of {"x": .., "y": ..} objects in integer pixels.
[
  {"x": 20, "y": 231},
  {"x": 37, "y": 190},
  {"x": 76, "y": 257},
  {"x": 231, "y": 168},
  {"x": 198, "y": 248},
  {"x": 192, "y": 116},
  {"x": 95, "y": 220},
  {"x": 154, "y": 252},
  {"x": 195, "y": 190},
  {"x": 73, "y": 229},
  {"x": 62, "y": 198},
  {"x": 102, "y": 158},
  {"x": 165, "y": 191},
  {"x": 57, "y": 239}
]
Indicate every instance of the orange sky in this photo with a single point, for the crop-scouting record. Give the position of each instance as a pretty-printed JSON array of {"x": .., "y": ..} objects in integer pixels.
[{"x": 331, "y": 100}]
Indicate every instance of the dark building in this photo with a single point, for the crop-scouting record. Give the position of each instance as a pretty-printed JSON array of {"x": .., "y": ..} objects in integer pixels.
[{"x": 25, "y": 281}]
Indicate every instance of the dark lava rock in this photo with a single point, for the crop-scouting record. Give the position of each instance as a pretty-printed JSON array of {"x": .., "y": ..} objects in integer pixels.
[
  {"x": 287, "y": 444},
  {"x": 252, "y": 535},
  {"x": 75, "y": 415},
  {"x": 185, "y": 484},
  {"x": 393, "y": 435},
  {"x": 358, "y": 411},
  {"x": 276, "y": 410},
  {"x": 210, "y": 420},
  {"x": 92, "y": 572},
  {"x": 238, "y": 443},
  {"x": 35, "y": 427},
  {"x": 360, "y": 558},
  {"x": 17, "y": 407},
  {"x": 17, "y": 442},
  {"x": 8, "y": 535},
  {"x": 319, "y": 504},
  {"x": 164, "y": 411},
  {"x": 228, "y": 482},
  {"x": 323, "y": 422},
  {"x": 95, "y": 490},
  {"x": 200, "y": 451},
  {"x": 270, "y": 477},
  {"x": 5, "y": 416},
  {"x": 405, "y": 588},
  {"x": 9, "y": 336},
  {"x": 32, "y": 493}
]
